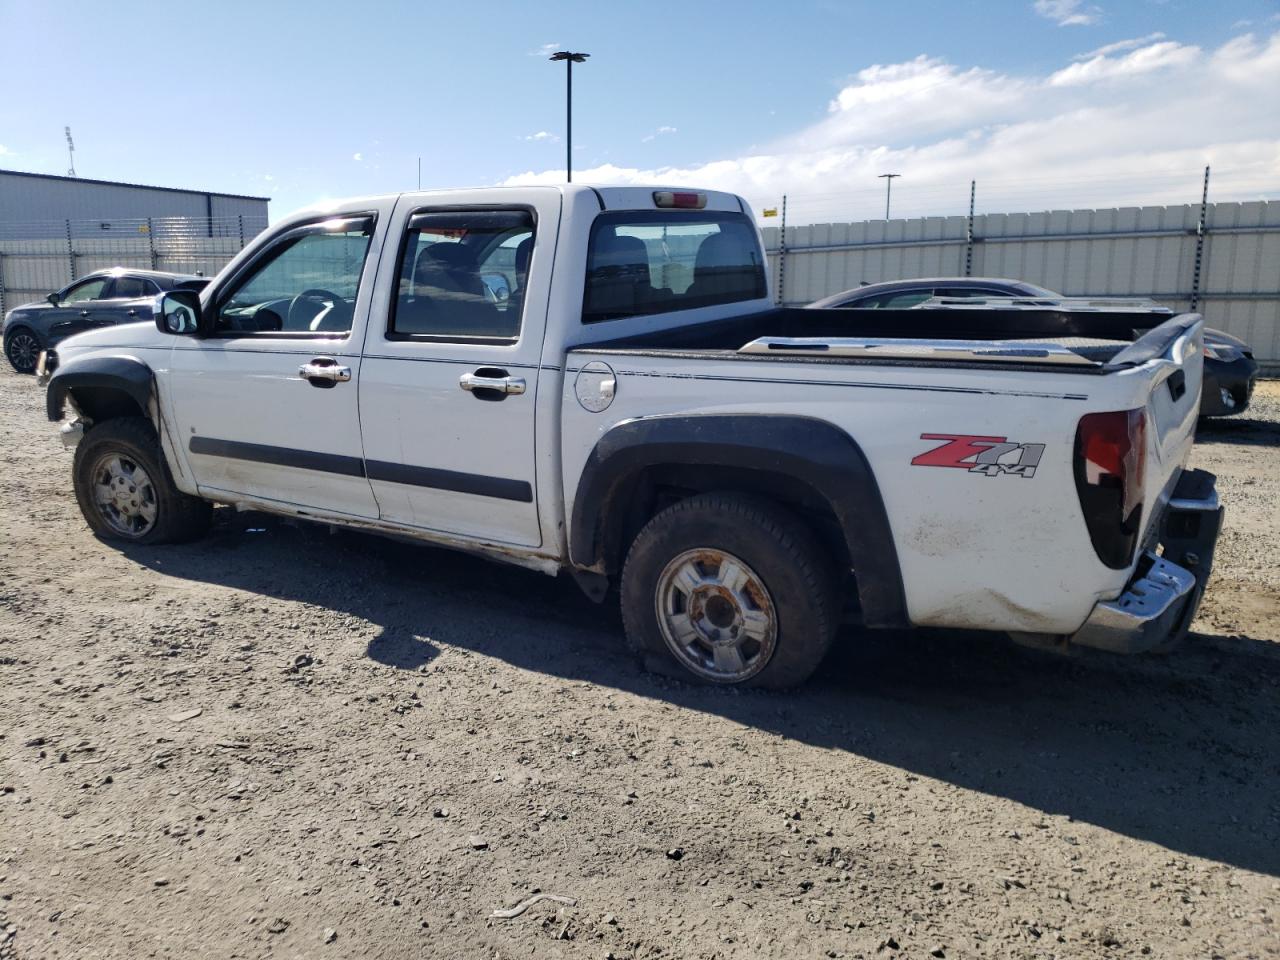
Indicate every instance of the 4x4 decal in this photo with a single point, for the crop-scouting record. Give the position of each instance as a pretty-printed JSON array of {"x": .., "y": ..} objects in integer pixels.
[{"x": 989, "y": 456}]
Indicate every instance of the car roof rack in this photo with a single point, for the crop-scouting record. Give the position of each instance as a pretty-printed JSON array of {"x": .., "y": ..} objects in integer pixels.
[
  {"x": 877, "y": 348},
  {"x": 1071, "y": 304}
]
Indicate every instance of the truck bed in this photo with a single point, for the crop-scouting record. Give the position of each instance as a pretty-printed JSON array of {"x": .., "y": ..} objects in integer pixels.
[
  {"x": 977, "y": 550},
  {"x": 1043, "y": 337}
]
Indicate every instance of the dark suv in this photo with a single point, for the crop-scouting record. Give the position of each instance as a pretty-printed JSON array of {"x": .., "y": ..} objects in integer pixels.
[
  {"x": 101, "y": 299},
  {"x": 1229, "y": 367}
]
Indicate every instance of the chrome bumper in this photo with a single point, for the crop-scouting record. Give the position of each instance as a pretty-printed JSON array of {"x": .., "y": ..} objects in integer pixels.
[
  {"x": 72, "y": 433},
  {"x": 1157, "y": 607},
  {"x": 46, "y": 363}
]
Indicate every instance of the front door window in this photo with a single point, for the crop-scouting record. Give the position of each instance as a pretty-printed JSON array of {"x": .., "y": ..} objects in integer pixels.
[
  {"x": 306, "y": 285},
  {"x": 89, "y": 290}
]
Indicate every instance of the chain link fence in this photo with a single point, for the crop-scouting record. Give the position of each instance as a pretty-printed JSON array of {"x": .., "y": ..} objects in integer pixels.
[
  {"x": 1221, "y": 259},
  {"x": 41, "y": 256}
]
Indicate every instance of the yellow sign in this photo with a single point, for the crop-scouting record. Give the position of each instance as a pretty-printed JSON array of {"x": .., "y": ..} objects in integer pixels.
[{"x": 769, "y": 212}]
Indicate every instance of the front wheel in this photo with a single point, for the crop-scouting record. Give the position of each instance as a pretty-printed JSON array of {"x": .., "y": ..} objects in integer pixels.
[
  {"x": 125, "y": 490},
  {"x": 22, "y": 349},
  {"x": 731, "y": 588}
]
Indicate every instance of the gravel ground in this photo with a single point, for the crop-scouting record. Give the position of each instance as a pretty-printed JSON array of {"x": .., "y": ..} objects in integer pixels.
[{"x": 284, "y": 743}]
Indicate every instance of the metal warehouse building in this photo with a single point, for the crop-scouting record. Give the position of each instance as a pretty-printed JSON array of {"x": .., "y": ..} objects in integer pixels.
[
  {"x": 54, "y": 230},
  {"x": 29, "y": 198}
]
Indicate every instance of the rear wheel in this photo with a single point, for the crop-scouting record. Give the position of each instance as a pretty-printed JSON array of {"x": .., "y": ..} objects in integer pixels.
[
  {"x": 125, "y": 490},
  {"x": 22, "y": 349},
  {"x": 732, "y": 589}
]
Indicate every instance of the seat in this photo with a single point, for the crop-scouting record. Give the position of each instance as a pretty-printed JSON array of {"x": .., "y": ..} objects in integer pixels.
[
  {"x": 619, "y": 281},
  {"x": 448, "y": 296},
  {"x": 524, "y": 253},
  {"x": 718, "y": 269}
]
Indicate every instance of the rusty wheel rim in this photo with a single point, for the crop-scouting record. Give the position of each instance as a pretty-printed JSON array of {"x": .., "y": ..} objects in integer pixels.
[
  {"x": 124, "y": 495},
  {"x": 716, "y": 615}
]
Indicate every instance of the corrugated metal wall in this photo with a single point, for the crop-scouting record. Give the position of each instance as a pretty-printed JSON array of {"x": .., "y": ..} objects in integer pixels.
[
  {"x": 1127, "y": 251},
  {"x": 31, "y": 198}
]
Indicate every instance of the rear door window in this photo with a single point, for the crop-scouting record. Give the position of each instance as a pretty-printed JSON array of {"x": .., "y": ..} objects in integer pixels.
[
  {"x": 645, "y": 263},
  {"x": 131, "y": 288},
  {"x": 463, "y": 275},
  {"x": 898, "y": 300},
  {"x": 968, "y": 292}
]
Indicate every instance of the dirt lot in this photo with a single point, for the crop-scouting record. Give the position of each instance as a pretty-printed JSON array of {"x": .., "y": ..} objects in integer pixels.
[{"x": 392, "y": 742}]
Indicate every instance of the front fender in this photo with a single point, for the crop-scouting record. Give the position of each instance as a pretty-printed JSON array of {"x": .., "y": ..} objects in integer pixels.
[
  {"x": 811, "y": 451},
  {"x": 99, "y": 376}
]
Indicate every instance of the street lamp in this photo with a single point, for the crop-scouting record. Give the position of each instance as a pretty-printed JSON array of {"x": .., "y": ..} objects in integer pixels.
[
  {"x": 569, "y": 60},
  {"x": 888, "y": 189}
]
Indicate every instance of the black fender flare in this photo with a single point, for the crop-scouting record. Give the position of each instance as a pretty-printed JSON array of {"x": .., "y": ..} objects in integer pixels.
[
  {"x": 127, "y": 375},
  {"x": 822, "y": 456}
]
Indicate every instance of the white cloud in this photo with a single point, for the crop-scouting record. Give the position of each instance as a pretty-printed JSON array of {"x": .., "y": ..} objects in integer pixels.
[
  {"x": 1156, "y": 56},
  {"x": 1120, "y": 46},
  {"x": 542, "y": 136},
  {"x": 661, "y": 131},
  {"x": 1128, "y": 129},
  {"x": 5, "y": 151},
  {"x": 357, "y": 157},
  {"x": 546, "y": 50},
  {"x": 1068, "y": 13}
]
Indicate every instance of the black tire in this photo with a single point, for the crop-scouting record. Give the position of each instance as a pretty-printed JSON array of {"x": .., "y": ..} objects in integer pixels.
[
  {"x": 177, "y": 517},
  {"x": 781, "y": 553},
  {"x": 22, "y": 348}
]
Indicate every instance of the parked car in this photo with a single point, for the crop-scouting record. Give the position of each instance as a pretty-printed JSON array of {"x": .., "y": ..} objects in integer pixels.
[
  {"x": 103, "y": 298},
  {"x": 749, "y": 476},
  {"x": 1230, "y": 370}
]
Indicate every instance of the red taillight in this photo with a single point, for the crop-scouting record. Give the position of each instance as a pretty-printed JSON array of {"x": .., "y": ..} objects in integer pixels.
[
  {"x": 1115, "y": 445},
  {"x": 1111, "y": 456},
  {"x": 685, "y": 200}
]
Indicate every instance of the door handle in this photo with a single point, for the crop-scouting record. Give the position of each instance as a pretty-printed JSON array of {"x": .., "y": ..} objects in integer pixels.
[
  {"x": 133, "y": 313},
  {"x": 491, "y": 383},
  {"x": 84, "y": 313},
  {"x": 324, "y": 372}
]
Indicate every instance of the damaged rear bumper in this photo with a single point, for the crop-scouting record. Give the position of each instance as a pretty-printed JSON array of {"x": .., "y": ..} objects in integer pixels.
[{"x": 1160, "y": 601}]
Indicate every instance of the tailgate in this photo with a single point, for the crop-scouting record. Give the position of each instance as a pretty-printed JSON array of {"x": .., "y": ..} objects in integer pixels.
[{"x": 1168, "y": 362}]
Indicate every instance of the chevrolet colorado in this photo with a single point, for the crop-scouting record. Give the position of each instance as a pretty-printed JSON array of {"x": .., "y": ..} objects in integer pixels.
[{"x": 637, "y": 412}]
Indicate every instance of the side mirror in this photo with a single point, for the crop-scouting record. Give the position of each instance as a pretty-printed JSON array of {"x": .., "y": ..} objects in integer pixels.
[
  {"x": 497, "y": 287},
  {"x": 53, "y": 298},
  {"x": 178, "y": 313}
]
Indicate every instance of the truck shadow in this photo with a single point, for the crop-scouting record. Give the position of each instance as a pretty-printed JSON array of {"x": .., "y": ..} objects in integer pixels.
[
  {"x": 1239, "y": 430},
  {"x": 1180, "y": 751}
]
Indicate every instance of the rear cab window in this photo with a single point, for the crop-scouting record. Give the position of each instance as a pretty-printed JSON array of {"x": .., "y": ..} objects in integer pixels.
[{"x": 641, "y": 263}]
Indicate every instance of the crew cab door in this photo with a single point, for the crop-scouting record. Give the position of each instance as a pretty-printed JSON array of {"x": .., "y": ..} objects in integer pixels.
[
  {"x": 129, "y": 301},
  {"x": 449, "y": 378},
  {"x": 80, "y": 308},
  {"x": 266, "y": 404}
]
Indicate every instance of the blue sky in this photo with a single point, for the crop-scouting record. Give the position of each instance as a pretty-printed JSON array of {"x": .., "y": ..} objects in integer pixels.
[{"x": 303, "y": 101}]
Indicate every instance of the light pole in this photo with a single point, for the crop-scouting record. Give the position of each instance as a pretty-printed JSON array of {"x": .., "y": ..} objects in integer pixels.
[
  {"x": 888, "y": 190},
  {"x": 569, "y": 60}
]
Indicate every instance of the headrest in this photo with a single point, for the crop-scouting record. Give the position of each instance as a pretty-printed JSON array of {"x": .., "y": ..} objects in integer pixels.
[
  {"x": 524, "y": 250},
  {"x": 717, "y": 252},
  {"x": 445, "y": 265},
  {"x": 613, "y": 250}
]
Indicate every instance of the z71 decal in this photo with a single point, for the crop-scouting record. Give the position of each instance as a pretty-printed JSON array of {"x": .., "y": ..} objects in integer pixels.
[{"x": 989, "y": 456}]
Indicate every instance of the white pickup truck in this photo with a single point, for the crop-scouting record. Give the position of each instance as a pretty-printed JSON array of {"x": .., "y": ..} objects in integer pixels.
[{"x": 596, "y": 380}]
